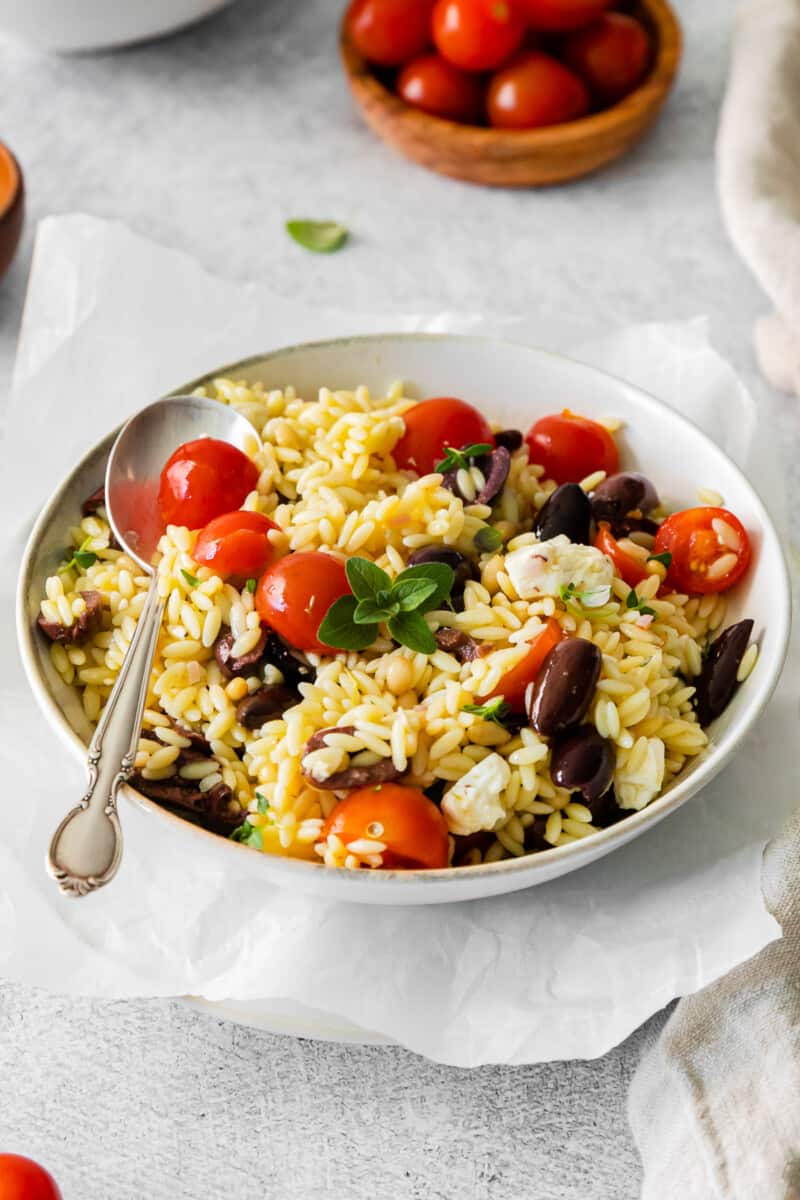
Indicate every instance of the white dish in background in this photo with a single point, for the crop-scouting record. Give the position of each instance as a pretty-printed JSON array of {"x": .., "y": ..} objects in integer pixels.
[
  {"x": 71, "y": 26},
  {"x": 512, "y": 384}
]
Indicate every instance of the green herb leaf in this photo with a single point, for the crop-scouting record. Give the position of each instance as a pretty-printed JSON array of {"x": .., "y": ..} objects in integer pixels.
[
  {"x": 633, "y": 602},
  {"x": 487, "y": 540},
  {"x": 340, "y": 630},
  {"x": 410, "y": 629},
  {"x": 251, "y": 585},
  {"x": 411, "y": 593},
  {"x": 248, "y": 835},
  {"x": 457, "y": 460},
  {"x": 591, "y": 598},
  {"x": 192, "y": 580},
  {"x": 263, "y": 803},
  {"x": 84, "y": 559},
  {"x": 438, "y": 573},
  {"x": 365, "y": 579},
  {"x": 665, "y": 559},
  {"x": 369, "y": 611},
  {"x": 321, "y": 237},
  {"x": 495, "y": 710}
]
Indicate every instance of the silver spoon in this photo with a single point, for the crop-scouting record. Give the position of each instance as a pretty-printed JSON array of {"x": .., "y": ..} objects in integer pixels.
[{"x": 87, "y": 846}]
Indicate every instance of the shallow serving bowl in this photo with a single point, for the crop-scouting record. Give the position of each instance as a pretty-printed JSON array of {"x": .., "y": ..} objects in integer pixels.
[
  {"x": 530, "y": 157},
  {"x": 512, "y": 384}
]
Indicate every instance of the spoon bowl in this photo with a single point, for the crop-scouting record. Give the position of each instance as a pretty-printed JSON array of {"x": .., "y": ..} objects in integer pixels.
[{"x": 86, "y": 848}]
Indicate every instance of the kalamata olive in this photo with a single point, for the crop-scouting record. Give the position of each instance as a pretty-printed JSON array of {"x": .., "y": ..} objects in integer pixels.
[
  {"x": 620, "y": 494},
  {"x": 562, "y": 691},
  {"x": 582, "y": 761},
  {"x": 495, "y": 467},
  {"x": 717, "y": 683},
  {"x": 510, "y": 438},
  {"x": 567, "y": 511},
  {"x": 271, "y": 701},
  {"x": 463, "y": 568}
]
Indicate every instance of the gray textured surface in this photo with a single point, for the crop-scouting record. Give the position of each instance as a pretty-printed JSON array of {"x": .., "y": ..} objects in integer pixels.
[{"x": 208, "y": 141}]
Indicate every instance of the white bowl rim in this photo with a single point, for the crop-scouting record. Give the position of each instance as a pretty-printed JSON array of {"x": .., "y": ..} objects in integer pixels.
[{"x": 293, "y": 870}]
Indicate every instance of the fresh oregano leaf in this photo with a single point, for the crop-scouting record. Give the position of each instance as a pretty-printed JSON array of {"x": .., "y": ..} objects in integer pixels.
[
  {"x": 339, "y": 628},
  {"x": 411, "y": 629},
  {"x": 263, "y": 803},
  {"x": 665, "y": 559},
  {"x": 321, "y": 237},
  {"x": 365, "y": 579},
  {"x": 369, "y": 611},
  {"x": 457, "y": 460},
  {"x": 411, "y": 593},
  {"x": 495, "y": 710},
  {"x": 633, "y": 602},
  {"x": 439, "y": 573}
]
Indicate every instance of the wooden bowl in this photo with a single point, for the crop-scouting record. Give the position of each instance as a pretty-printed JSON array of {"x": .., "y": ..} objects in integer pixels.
[
  {"x": 12, "y": 211},
  {"x": 522, "y": 158}
]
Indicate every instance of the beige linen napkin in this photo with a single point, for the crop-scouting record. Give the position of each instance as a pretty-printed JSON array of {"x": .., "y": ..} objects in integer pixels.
[{"x": 758, "y": 173}]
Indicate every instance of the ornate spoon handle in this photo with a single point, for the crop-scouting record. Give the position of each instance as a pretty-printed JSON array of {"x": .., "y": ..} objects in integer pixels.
[{"x": 87, "y": 846}]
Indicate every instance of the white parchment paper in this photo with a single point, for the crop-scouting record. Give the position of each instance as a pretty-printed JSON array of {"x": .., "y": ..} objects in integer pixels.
[{"x": 564, "y": 970}]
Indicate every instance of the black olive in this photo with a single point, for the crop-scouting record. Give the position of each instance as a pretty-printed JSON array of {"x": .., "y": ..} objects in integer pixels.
[
  {"x": 567, "y": 512},
  {"x": 562, "y": 691},
  {"x": 463, "y": 568},
  {"x": 510, "y": 438},
  {"x": 717, "y": 683},
  {"x": 621, "y": 494},
  {"x": 583, "y": 761}
]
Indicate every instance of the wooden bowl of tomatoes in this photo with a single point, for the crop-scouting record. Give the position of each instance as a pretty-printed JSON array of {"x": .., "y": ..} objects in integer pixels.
[{"x": 511, "y": 93}]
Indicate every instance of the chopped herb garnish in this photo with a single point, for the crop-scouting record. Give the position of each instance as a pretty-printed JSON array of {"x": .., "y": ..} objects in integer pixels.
[
  {"x": 263, "y": 803},
  {"x": 251, "y": 586},
  {"x": 487, "y": 540},
  {"x": 351, "y": 623},
  {"x": 591, "y": 598},
  {"x": 192, "y": 580},
  {"x": 82, "y": 557},
  {"x": 665, "y": 559},
  {"x": 495, "y": 710},
  {"x": 248, "y": 835},
  {"x": 634, "y": 603},
  {"x": 458, "y": 460},
  {"x": 321, "y": 237}
]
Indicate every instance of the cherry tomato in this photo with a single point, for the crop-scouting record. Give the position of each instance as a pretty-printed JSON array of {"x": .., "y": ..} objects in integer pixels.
[
  {"x": 434, "y": 425},
  {"x": 236, "y": 544},
  {"x": 629, "y": 568},
  {"x": 409, "y": 824},
  {"x": 23, "y": 1179},
  {"x": 295, "y": 593},
  {"x": 709, "y": 546},
  {"x": 571, "y": 447},
  {"x": 202, "y": 480},
  {"x": 389, "y": 32},
  {"x": 513, "y": 684},
  {"x": 437, "y": 87},
  {"x": 535, "y": 90},
  {"x": 556, "y": 16},
  {"x": 611, "y": 55},
  {"x": 477, "y": 35}
]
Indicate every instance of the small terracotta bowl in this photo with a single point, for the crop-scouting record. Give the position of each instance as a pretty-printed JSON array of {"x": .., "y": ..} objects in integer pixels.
[
  {"x": 522, "y": 158},
  {"x": 12, "y": 209}
]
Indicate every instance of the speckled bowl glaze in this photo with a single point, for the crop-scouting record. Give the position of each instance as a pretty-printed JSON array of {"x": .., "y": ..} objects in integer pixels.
[{"x": 513, "y": 384}]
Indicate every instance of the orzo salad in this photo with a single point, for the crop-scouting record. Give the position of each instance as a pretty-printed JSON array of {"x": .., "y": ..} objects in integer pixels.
[{"x": 400, "y": 636}]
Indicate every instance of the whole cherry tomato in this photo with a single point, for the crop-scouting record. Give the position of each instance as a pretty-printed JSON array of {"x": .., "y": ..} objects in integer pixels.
[
  {"x": 434, "y": 85},
  {"x": 555, "y": 16},
  {"x": 295, "y": 593},
  {"x": 513, "y": 684},
  {"x": 477, "y": 35},
  {"x": 611, "y": 55},
  {"x": 535, "y": 90},
  {"x": 628, "y": 568},
  {"x": 389, "y": 32},
  {"x": 202, "y": 480},
  {"x": 434, "y": 425},
  {"x": 23, "y": 1179},
  {"x": 570, "y": 447},
  {"x": 236, "y": 544},
  {"x": 409, "y": 824},
  {"x": 709, "y": 546}
]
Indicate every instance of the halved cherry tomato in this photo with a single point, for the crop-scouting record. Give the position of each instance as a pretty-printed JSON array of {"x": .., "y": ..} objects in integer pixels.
[
  {"x": 709, "y": 546},
  {"x": 409, "y": 824},
  {"x": 513, "y": 684},
  {"x": 23, "y": 1179},
  {"x": 629, "y": 568},
  {"x": 435, "y": 86},
  {"x": 611, "y": 55},
  {"x": 558, "y": 15},
  {"x": 202, "y": 480},
  {"x": 295, "y": 593},
  {"x": 236, "y": 544},
  {"x": 389, "y": 32},
  {"x": 571, "y": 447},
  {"x": 434, "y": 425},
  {"x": 477, "y": 35},
  {"x": 535, "y": 90}
]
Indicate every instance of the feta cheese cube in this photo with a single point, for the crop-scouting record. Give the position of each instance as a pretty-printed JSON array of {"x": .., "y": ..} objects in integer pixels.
[
  {"x": 474, "y": 801},
  {"x": 543, "y": 568}
]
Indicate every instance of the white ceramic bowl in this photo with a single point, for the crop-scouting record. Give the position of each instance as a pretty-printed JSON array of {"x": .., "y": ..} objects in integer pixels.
[
  {"x": 512, "y": 384},
  {"x": 69, "y": 26}
]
